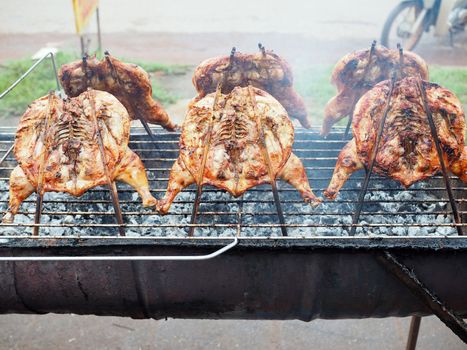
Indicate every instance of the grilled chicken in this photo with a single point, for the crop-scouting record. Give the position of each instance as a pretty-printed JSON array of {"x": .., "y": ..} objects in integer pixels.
[
  {"x": 264, "y": 70},
  {"x": 57, "y": 149},
  {"x": 250, "y": 144},
  {"x": 129, "y": 83},
  {"x": 407, "y": 152},
  {"x": 356, "y": 73}
]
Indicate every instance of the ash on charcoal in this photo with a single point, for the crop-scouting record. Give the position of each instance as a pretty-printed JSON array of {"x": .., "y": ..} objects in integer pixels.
[{"x": 386, "y": 203}]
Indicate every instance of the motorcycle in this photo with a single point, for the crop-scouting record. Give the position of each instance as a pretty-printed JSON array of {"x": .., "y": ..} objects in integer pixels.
[{"x": 411, "y": 18}]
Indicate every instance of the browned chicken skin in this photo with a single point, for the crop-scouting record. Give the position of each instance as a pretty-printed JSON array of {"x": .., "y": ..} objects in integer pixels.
[
  {"x": 352, "y": 77},
  {"x": 407, "y": 151},
  {"x": 264, "y": 70},
  {"x": 63, "y": 155},
  {"x": 235, "y": 160},
  {"x": 129, "y": 83}
]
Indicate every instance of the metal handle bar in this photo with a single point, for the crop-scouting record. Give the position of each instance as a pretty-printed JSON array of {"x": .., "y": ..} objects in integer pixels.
[{"x": 124, "y": 258}]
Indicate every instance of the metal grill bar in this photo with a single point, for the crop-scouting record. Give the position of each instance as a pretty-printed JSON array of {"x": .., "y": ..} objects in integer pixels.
[{"x": 219, "y": 211}]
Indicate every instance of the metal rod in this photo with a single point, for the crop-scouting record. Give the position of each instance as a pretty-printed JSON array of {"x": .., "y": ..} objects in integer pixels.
[
  {"x": 81, "y": 41},
  {"x": 401, "y": 61},
  {"x": 239, "y": 216},
  {"x": 434, "y": 135},
  {"x": 233, "y": 225},
  {"x": 267, "y": 160},
  {"x": 42, "y": 161},
  {"x": 25, "y": 74},
  {"x": 7, "y": 153},
  {"x": 147, "y": 128},
  {"x": 288, "y": 189},
  {"x": 115, "y": 75},
  {"x": 207, "y": 145},
  {"x": 111, "y": 184},
  {"x": 227, "y": 213},
  {"x": 360, "y": 82},
  {"x": 99, "y": 36},
  {"x": 413, "y": 333},
  {"x": 364, "y": 189},
  {"x": 436, "y": 305},
  {"x": 199, "y": 182},
  {"x": 125, "y": 257}
]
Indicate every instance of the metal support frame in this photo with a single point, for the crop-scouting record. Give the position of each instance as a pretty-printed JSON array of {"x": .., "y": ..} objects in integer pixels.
[
  {"x": 110, "y": 183},
  {"x": 360, "y": 82},
  {"x": 267, "y": 160},
  {"x": 42, "y": 162},
  {"x": 25, "y": 74},
  {"x": 115, "y": 76},
  {"x": 422, "y": 292},
  {"x": 199, "y": 182},
  {"x": 371, "y": 163}
]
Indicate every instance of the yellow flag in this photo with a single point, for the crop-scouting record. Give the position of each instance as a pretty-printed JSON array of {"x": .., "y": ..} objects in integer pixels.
[{"x": 83, "y": 10}]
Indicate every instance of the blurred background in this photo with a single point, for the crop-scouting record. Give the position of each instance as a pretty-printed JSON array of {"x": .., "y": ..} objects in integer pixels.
[{"x": 168, "y": 39}]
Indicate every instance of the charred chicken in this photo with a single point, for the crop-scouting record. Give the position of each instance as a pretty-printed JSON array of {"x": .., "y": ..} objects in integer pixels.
[
  {"x": 264, "y": 70},
  {"x": 407, "y": 152},
  {"x": 129, "y": 83},
  {"x": 358, "y": 72}
]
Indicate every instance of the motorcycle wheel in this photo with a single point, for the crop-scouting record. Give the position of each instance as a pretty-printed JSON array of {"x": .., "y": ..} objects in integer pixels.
[{"x": 391, "y": 24}]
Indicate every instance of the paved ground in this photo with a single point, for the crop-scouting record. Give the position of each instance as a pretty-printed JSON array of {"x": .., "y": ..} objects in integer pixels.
[
  {"x": 73, "y": 332},
  {"x": 305, "y": 32}
]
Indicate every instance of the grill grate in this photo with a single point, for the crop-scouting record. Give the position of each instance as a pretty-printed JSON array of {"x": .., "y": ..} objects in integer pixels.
[{"x": 389, "y": 209}]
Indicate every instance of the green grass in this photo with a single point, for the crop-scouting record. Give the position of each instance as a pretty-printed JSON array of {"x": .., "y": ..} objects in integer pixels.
[
  {"x": 313, "y": 83},
  {"x": 41, "y": 80}
]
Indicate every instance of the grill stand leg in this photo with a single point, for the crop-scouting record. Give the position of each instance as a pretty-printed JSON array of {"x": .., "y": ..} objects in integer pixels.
[
  {"x": 429, "y": 298},
  {"x": 413, "y": 333}
]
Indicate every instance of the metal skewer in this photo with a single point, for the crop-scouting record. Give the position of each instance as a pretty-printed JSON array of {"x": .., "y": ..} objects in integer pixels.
[
  {"x": 40, "y": 179},
  {"x": 434, "y": 134},
  {"x": 207, "y": 145},
  {"x": 401, "y": 61},
  {"x": 361, "y": 81},
  {"x": 115, "y": 75},
  {"x": 111, "y": 184},
  {"x": 364, "y": 189},
  {"x": 265, "y": 153}
]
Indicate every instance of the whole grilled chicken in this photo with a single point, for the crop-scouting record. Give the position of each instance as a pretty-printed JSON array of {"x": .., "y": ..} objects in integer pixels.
[
  {"x": 129, "y": 83},
  {"x": 58, "y": 149},
  {"x": 250, "y": 143},
  {"x": 358, "y": 72},
  {"x": 407, "y": 152},
  {"x": 264, "y": 70}
]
